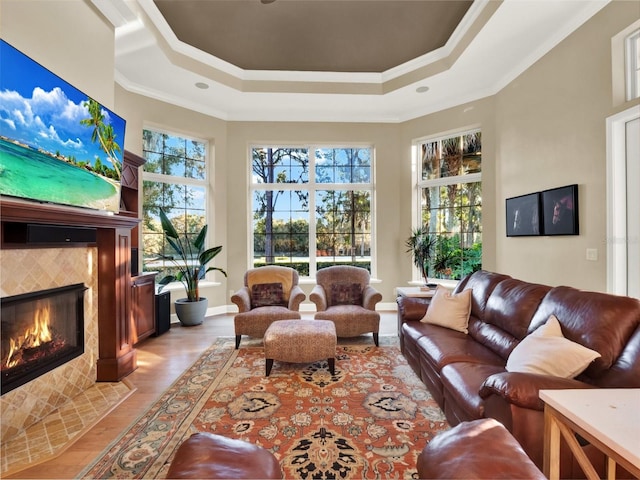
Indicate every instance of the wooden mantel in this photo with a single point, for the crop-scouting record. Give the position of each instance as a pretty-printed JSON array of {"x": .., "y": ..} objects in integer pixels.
[
  {"x": 116, "y": 354},
  {"x": 48, "y": 214}
]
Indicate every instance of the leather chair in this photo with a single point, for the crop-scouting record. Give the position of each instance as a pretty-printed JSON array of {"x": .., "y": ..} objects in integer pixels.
[
  {"x": 269, "y": 293},
  {"x": 343, "y": 295},
  {"x": 208, "y": 455},
  {"x": 479, "y": 449}
]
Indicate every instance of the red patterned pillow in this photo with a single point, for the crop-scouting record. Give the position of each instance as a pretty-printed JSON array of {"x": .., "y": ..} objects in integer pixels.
[
  {"x": 267, "y": 294},
  {"x": 345, "y": 293}
]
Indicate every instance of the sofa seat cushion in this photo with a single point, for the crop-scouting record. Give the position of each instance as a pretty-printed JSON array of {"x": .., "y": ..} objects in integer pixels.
[
  {"x": 441, "y": 346},
  {"x": 462, "y": 381}
]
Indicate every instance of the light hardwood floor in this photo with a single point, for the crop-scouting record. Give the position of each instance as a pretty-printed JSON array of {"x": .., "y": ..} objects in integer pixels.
[{"x": 161, "y": 360}]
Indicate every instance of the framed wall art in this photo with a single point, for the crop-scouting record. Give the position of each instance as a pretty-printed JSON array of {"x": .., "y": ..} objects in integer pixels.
[
  {"x": 560, "y": 211},
  {"x": 523, "y": 215}
]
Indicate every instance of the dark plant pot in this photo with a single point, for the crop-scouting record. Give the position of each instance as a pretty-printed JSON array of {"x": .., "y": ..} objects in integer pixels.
[{"x": 191, "y": 313}]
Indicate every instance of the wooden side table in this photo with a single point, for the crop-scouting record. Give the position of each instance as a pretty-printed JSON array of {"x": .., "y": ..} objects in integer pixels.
[{"x": 607, "y": 418}]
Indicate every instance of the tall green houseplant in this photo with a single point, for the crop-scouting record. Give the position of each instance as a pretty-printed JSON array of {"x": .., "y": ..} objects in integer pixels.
[
  {"x": 421, "y": 245},
  {"x": 191, "y": 260}
]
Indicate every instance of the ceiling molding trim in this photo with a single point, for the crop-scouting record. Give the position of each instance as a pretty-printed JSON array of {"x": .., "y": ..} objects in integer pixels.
[
  {"x": 348, "y": 83},
  {"x": 116, "y": 11},
  {"x": 176, "y": 100}
]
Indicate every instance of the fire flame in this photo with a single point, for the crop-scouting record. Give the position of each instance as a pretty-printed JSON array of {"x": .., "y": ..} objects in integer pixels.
[{"x": 36, "y": 335}]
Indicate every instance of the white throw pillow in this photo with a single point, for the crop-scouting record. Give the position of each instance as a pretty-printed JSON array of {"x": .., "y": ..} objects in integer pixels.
[
  {"x": 546, "y": 351},
  {"x": 449, "y": 310}
]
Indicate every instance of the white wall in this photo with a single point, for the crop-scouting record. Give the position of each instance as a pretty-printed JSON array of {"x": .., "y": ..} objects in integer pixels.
[{"x": 550, "y": 125}]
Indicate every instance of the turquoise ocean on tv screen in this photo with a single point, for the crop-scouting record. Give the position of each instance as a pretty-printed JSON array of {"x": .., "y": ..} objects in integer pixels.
[{"x": 28, "y": 173}]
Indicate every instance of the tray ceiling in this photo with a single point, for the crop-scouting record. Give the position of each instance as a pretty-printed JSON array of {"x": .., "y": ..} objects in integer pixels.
[{"x": 332, "y": 60}]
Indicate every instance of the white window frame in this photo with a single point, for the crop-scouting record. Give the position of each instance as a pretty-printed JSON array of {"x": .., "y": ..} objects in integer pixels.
[
  {"x": 175, "y": 180},
  {"x": 617, "y": 235},
  {"x": 312, "y": 187},
  {"x": 632, "y": 68},
  {"x": 419, "y": 184}
]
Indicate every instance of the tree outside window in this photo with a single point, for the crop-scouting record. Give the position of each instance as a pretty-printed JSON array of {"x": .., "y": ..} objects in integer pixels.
[
  {"x": 450, "y": 202},
  {"x": 174, "y": 179},
  {"x": 311, "y": 206}
]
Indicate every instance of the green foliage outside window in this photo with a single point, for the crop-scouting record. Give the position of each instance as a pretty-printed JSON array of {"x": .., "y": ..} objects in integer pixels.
[{"x": 451, "y": 203}]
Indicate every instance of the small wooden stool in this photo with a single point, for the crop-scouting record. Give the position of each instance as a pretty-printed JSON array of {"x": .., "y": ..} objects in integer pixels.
[{"x": 300, "y": 341}]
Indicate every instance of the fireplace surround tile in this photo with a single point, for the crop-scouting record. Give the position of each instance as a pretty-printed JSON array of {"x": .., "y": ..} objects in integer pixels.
[{"x": 27, "y": 270}]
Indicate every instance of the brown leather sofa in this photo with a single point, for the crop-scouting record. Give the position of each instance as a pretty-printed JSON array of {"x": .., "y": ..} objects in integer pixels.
[{"x": 466, "y": 373}]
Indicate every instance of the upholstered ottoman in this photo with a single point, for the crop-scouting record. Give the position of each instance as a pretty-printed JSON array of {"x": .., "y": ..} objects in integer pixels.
[
  {"x": 479, "y": 449},
  {"x": 300, "y": 341},
  {"x": 206, "y": 455}
]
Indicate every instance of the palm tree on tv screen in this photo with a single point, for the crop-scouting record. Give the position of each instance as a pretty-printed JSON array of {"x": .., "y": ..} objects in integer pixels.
[{"x": 101, "y": 132}]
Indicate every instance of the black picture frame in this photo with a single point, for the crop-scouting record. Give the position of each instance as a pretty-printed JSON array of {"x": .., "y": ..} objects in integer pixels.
[
  {"x": 560, "y": 211},
  {"x": 523, "y": 215}
]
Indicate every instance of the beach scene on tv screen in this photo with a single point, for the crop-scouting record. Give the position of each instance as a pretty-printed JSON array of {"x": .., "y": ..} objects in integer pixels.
[{"x": 57, "y": 144}]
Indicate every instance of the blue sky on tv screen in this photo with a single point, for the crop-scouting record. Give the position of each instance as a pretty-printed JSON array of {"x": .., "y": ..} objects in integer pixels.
[{"x": 40, "y": 109}]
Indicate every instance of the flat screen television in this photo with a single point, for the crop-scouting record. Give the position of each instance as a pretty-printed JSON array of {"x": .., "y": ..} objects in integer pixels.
[{"x": 57, "y": 144}]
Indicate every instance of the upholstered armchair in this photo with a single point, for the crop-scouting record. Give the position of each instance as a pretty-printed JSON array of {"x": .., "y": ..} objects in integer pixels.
[
  {"x": 343, "y": 295},
  {"x": 269, "y": 293}
]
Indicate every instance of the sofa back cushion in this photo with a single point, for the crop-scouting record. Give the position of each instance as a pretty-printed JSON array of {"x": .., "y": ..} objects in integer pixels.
[
  {"x": 507, "y": 315},
  {"x": 481, "y": 284},
  {"x": 608, "y": 324}
]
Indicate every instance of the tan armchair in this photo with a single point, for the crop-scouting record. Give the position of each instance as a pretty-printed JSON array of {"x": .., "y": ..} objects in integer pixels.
[
  {"x": 343, "y": 295},
  {"x": 269, "y": 293}
]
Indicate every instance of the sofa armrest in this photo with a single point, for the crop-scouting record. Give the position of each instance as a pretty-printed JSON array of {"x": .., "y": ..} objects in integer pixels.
[
  {"x": 522, "y": 389},
  {"x": 296, "y": 297},
  {"x": 242, "y": 298},
  {"x": 370, "y": 296},
  {"x": 411, "y": 308},
  {"x": 319, "y": 297}
]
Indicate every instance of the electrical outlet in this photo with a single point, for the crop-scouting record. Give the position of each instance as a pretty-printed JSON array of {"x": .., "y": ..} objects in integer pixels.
[{"x": 592, "y": 254}]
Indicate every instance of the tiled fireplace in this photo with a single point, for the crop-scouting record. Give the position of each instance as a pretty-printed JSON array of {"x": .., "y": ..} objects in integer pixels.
[{"x": 33, "y": 270}]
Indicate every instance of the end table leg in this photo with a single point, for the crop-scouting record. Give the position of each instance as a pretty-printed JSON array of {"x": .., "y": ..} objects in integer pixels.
[{"x": 551, "y": 466}]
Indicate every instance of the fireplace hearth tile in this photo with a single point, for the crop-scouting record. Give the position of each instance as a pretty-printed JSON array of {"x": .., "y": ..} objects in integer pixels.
[{"x": 52, "y": 435}]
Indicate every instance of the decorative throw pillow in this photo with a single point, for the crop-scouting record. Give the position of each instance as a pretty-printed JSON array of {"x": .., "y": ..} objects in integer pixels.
[
  {"x": 267, "y": 294},
  {"x": 547, "y": 352},
  {"x": 345, "y": 293},
  {"x": 449, "y": 310}
]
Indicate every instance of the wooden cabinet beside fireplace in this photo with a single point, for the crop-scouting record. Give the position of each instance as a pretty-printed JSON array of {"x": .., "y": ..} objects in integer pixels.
[{"x": 143, "y": 289}]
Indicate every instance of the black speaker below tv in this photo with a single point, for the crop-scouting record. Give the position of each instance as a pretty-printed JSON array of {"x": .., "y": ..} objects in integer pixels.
[
  {"x": 163, "y": 313},
  {"x": 32, "y": 233}
]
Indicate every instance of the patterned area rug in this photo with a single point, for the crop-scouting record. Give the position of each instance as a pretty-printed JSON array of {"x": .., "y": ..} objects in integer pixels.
[{"x": 369, "y": 420}]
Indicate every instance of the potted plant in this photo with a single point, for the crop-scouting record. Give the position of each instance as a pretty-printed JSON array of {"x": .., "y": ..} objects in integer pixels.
[
  {"x": 421, "y": 245},
  {"x": 192, "y": 266}
]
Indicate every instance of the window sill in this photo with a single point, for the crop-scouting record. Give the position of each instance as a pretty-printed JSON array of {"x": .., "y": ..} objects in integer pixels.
[
  {"x": 176, "y": 286},
  {"x": 440, "y": 281}
]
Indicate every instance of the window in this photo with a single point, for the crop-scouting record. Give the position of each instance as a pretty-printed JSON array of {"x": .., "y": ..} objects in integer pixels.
[
  {"x": 449, "y": 201},
  {"x": 312, "y": 206},
  {"x": 632, "y": 65},
  {"x": 174, "y": 179}
]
